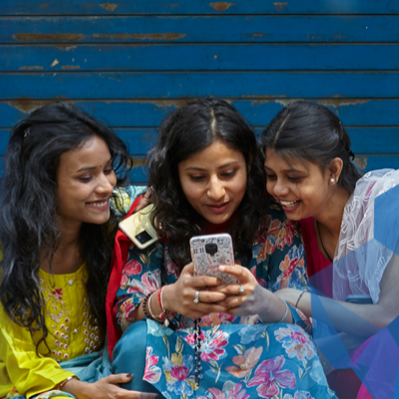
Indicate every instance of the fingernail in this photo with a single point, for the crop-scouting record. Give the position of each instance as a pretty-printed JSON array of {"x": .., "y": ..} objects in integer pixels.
[
  {"x": 221, "y": 268},
  {"x": 129, "y": 375}
]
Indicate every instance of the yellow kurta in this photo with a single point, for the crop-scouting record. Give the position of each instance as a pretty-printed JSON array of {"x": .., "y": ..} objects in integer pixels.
[{"x": 73, "y": 331}]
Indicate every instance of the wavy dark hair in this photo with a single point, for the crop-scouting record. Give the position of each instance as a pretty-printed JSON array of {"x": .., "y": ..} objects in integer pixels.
[
  {"x": 28, "y": 212},
  {"x": 312, "y": 132},
  {"x": 184, "y": 132}
]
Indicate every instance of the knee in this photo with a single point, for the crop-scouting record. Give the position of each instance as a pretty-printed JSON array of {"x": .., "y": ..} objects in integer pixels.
[{"x": 130, "y": 348}]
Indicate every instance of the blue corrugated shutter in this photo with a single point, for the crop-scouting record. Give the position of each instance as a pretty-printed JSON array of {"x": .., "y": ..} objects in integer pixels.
[{"x": 130, "y": 62}]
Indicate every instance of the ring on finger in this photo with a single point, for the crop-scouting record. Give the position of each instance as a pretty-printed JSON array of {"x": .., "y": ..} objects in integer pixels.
[
  {"x": 196, "y": 298},
  {"x": 241, "y": 289},
  {"x": 145, "y": 199}
]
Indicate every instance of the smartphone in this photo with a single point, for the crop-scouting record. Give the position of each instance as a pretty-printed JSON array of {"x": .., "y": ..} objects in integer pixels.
[
  {"x": 360, "y": 299},
  {"x": 139, "y": 228},
  {"x": 209, "y": 252}
]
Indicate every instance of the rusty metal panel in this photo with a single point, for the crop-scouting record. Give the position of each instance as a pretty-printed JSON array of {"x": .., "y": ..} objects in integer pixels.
[
  {"x": 149, "y": 113},
  {"x": 199, "y": 29},
  {"x": 148, "y": 7},
  {"x": 130, "y": 62},
  {"x": 204, "y": 57},
  {"x": 245, "y": 85}
]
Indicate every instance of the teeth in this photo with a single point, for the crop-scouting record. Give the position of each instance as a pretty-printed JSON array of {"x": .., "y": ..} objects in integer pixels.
[
  {"x": 288, "y": 204},
  {"x": 98, "y": 203}
]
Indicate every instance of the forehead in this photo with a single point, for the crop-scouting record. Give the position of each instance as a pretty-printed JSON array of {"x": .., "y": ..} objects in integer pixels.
[
  {"x": 276, "y": 161},
  {"x": 218, "y": 153},
  {"x": 91, "y": 153}
]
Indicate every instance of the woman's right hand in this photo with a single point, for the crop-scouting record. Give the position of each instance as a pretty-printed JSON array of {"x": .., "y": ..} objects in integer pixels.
[
  {"x": 179, "y": 297},
  {"x": 145, "y": 201},
  {"x": 106, "y": 388}
]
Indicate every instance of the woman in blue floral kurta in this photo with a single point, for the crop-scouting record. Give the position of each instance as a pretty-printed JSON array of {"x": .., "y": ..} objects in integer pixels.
[{"x": 240, "y": 356}]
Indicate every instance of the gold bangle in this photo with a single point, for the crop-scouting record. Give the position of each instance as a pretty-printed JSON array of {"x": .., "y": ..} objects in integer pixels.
[
  {"x": 62, "y": 383},
  {"x": 300, "y": 296}
]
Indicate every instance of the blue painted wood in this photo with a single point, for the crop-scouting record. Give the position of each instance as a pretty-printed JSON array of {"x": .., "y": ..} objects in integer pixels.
[
  {"x": 118, "y": 7},
  {"x": 149, "y": 113},
  {"x": 200, "y": 29},
  {"x": 211, "y": 57},
  {"x": 380, "y": 162},
  {"x": 257, "y": 85}
]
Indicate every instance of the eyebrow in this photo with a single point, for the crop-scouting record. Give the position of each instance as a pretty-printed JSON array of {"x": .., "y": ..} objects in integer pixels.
[
  {"x": 85, "y": 168},
  {"x": 219, "y": 167},
  {"x": 287, "y": 170}
]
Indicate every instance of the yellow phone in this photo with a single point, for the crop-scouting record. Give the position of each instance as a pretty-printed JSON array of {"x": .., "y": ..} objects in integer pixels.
[{"x": 139, "y": 228}]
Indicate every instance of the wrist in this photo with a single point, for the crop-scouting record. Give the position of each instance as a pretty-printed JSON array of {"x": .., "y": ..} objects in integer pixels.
[
  {"x": 167, "y": 298},
  {"x": 76, "y": 388}
]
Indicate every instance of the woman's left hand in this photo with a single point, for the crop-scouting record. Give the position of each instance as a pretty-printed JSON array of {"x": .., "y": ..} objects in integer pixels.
[
  {"x": 249, "y": 298},
  {"x": 246, "y": 295}
]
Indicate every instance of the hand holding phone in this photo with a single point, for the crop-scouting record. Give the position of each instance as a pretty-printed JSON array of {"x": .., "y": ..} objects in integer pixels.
[{"x": 208, "y": 252}]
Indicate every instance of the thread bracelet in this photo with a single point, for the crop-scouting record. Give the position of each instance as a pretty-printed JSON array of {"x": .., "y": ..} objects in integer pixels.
[{"x": 300, "y": 296}]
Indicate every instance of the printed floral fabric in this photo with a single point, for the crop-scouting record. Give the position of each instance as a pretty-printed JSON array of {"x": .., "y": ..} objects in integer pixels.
[{"x": 238, "y": 360}]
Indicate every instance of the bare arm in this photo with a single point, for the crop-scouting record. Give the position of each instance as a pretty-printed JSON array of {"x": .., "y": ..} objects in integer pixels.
[{"x": 355, "y": 318}]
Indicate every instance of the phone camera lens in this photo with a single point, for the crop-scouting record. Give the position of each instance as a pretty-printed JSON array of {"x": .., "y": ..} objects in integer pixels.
[
  {"x": 211, "y": 248},
  {"x": 143, "y": 237}
]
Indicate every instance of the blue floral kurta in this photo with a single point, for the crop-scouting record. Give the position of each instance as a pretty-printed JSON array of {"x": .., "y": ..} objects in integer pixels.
[{"x": 238, "y": 360}]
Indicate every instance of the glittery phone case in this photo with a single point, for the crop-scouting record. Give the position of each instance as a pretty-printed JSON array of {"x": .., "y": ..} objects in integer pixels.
[{"x": 210, "y": 251}]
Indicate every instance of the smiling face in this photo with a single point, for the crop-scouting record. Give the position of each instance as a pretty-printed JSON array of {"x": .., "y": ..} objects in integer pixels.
[
  {"x": 85, "y": 180},
  {"x": 214, "y": 181},
  {"x": 301, "y": 188}
]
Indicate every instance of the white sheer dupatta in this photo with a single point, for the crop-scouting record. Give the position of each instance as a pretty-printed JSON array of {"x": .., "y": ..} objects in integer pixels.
[{"x": 369, "y": 235}]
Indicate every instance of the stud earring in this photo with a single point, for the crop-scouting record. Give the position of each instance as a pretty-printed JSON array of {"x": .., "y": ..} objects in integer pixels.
[{"x": 332, "y": 180}]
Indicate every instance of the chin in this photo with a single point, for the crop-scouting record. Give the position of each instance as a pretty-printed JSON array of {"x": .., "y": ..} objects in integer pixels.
[
  {"x": 99, "y": 220},
  {"x": 219, "y": 219}
]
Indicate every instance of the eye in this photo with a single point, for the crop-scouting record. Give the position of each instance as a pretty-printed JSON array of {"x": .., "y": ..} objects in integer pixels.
[
  {"x": 85, "y": 179},
  {"x": 108, "y": 170},
  {"x": 229, "y": 173},
  {"x": 270, "y": 177},
  {"x": 295, "y": 179},
  {"x": 197, "y": 178}
]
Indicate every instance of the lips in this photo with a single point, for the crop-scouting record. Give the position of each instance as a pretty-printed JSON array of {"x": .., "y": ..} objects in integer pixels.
[
  {"x": 100, "y": 205},
  {"x": 218, "y": 208},
  {"x": 289, "y": 206}
]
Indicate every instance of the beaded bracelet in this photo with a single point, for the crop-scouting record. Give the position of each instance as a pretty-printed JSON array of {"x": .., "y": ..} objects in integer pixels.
[{"x": 145, "y": 307}]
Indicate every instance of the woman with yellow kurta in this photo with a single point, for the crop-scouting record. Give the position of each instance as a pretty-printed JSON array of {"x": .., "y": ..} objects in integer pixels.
[{"x": 57, "y": 230}]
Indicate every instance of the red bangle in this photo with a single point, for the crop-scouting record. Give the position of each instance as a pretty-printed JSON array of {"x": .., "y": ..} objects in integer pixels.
[{"x": 159, "y": 299}]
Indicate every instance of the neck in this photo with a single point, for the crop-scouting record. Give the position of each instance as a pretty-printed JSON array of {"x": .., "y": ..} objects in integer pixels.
[
  {"x": 330, "y": 218},
  {"x": 66, "y": 258}
]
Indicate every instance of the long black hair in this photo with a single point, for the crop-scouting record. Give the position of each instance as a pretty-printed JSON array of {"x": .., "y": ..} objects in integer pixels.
[
  {"x": 187, "y": 131},
  {"x": 28, "y": 210},
  {"x": 310, "y": 131}
]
